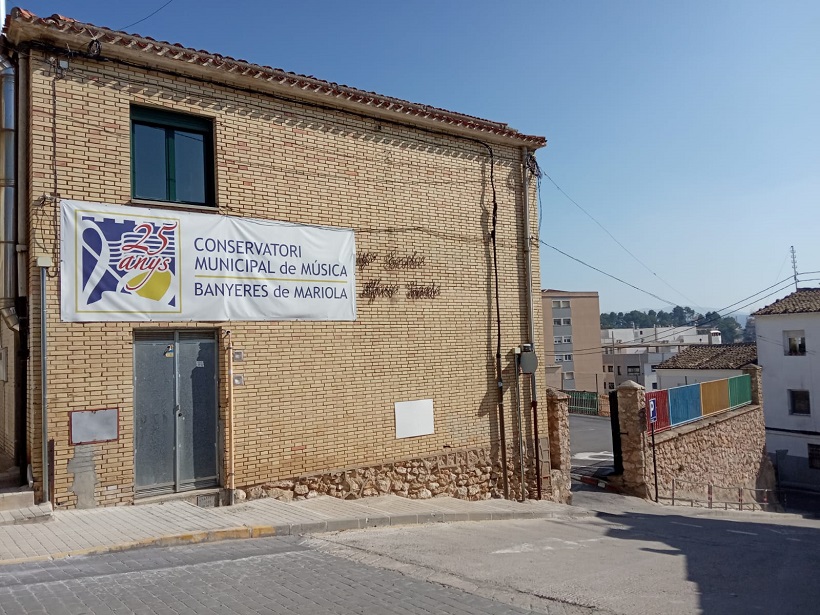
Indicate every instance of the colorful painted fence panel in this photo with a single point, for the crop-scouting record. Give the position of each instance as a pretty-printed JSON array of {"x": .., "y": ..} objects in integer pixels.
[
  {"x": 684, "y": 404},
  {"x": 661, "y": 408},
  {"x": 689, "y": 403},
  {"x": 740, "y": 391},
  {"x": 714, "y": 396}
]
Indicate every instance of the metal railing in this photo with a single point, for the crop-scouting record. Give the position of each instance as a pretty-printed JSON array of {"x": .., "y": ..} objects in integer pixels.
[
  {"x": 717, "y": 496},
  {"x": 583, "y": 402},
  {"x": 685, "y": 404}
]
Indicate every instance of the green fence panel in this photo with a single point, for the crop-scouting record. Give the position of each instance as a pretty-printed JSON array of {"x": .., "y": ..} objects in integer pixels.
[{"x": 740, "y": 391}]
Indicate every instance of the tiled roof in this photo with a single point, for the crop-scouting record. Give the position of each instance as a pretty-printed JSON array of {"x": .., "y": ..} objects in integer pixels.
[
  {"x": 298, "y": 84},
  {"x": 800, "y": 301},
  {"x": 719, "y": 356}
]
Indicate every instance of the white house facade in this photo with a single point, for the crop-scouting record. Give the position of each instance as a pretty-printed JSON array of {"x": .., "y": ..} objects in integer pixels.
[{"x": 788, "y": 343}]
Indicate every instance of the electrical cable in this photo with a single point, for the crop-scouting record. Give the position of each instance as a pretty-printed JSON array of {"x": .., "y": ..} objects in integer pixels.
[
  {"x": 702, "y": 321},
  {"x": 615, "y": 239},
  {"x": 499, "y": 367},
  {"x": 646, "y": 292},
  {"x": 147, "y": 16}
]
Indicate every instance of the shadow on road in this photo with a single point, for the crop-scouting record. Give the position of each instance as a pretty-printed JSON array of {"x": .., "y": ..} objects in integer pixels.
[{"x": 738, "y": 566}]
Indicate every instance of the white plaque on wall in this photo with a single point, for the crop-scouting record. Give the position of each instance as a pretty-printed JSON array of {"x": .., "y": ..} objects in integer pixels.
[
  {"x": 414, "y": 418},
  {"x": 93, "y": 426}
]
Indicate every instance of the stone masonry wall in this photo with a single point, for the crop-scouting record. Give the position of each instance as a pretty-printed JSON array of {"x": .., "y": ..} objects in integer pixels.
[
  {"x": 726, "y": 450},
  {"x": 471, "y": 474}
]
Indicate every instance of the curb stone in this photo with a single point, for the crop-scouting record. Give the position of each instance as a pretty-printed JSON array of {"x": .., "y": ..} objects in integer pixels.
[{"x": 290, "y": 529}]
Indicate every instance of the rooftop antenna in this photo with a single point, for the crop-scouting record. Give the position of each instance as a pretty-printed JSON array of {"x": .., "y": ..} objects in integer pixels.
[{"x": 794, "y": 267}]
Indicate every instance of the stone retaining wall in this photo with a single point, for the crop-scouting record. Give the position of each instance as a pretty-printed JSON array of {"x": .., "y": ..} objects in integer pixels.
[
  {"x": 469, "y": 474},
  {"x": 725, "y": 450}
]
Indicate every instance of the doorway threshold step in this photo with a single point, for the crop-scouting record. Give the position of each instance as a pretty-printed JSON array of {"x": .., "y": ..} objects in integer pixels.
[
  {"x": 36, "y": 513},
  {"x": 12, "y": 499}
]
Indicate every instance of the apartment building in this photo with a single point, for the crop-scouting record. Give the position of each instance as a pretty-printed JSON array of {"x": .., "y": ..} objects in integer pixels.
[{"x": 572, "y": 327}]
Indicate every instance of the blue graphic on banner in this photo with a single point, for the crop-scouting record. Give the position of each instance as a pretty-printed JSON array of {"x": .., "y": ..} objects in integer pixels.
[{"x": 129, "y": 258}]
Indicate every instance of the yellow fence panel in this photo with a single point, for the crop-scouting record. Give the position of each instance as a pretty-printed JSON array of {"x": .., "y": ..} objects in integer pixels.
[{"x": 714, "y": 396}]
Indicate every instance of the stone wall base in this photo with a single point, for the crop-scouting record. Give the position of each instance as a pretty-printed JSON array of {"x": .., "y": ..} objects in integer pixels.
[{"x": 467, "y": 474}]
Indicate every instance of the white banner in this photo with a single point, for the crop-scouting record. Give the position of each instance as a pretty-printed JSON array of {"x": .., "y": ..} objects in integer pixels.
[{"x": 137, "y": 264}]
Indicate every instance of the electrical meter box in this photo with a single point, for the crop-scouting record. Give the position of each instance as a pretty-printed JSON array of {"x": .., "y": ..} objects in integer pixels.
[{"x": 528, "y": 360}]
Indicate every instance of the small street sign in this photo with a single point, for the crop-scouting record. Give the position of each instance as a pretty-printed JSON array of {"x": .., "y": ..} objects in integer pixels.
[{"x": 653, "y": 411}]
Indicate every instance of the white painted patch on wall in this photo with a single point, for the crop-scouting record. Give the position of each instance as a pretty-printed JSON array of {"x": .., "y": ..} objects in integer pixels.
[{"x": 414, "y": 418}]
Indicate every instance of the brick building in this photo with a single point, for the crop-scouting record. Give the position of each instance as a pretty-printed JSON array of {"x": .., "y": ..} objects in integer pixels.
[{"x": 113, "y": 130}]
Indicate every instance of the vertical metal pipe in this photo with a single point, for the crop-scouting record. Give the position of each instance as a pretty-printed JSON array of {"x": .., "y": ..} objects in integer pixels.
[
  {"x": 44, "y": 379},
  {"x": 8, "y": 204},
  {"x": 521, "y": 463},
  {"x": 654, "y": 462},
  {"x": 231, "y": 482},
  {"x": 531, "y": 316},
  {"x": 177, "y": 415}
]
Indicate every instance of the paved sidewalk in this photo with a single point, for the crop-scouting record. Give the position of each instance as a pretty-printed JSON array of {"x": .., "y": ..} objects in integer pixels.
[{"x": 83, "y": 532}]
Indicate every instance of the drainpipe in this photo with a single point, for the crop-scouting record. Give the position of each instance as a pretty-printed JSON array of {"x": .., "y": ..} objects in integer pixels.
[
  {"x": 8, "y": 205},
  {"x": 231, "y": 481},
  {"x": 530, "y": 316},
  {"x": 44, "y": 262}
]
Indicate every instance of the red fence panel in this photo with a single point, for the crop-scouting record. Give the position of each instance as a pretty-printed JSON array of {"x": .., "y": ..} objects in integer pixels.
[{"x": 661, "y": 407}]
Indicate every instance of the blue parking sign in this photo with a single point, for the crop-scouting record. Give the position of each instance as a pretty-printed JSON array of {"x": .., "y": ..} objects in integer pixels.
[{"x": 653, "y": 411}]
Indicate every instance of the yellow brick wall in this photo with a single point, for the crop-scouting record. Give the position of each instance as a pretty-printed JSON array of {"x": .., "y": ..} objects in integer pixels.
[{"x": 318, "y": 395}]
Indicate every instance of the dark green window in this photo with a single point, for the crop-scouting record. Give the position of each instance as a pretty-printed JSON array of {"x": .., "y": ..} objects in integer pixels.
[{"x": 171, "y": 157}]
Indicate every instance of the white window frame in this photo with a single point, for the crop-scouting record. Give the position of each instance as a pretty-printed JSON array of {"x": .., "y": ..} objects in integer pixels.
[
  {"x": 556, "y": 339},
  {"x": 567, "y": 339},
  {"x": 567, "y": 357},
  {"x": 556, "y": 322},
  {"x": 566, "y": 321},
  {"x": 794, "y": 343}
]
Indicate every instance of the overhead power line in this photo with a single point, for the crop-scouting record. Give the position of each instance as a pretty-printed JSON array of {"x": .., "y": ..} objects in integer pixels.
[
  {"x": 702, "y": 322},
  {"x": 609, "y": 275},
  {"x": 615, "y": 239},
  {"x": 147, "y": 16}
]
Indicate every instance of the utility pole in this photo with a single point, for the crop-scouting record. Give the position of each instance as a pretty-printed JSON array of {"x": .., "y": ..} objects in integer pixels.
[{"x": 794, "y": 267}]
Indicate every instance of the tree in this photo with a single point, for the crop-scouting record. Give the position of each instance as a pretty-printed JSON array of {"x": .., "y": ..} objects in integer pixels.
[
  {"x": 680, "y": 316},
  {"x": 749, "y": 331}
]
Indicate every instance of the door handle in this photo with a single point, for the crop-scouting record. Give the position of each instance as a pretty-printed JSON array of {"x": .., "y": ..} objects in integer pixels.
[{"x": 178, "y": 410}]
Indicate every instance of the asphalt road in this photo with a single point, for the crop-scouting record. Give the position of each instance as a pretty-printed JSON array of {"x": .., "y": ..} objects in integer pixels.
[
  {"x": 650, "y": 560},
  {"x": 590, "y": 439},
  {"x": 634, "y": 557}
]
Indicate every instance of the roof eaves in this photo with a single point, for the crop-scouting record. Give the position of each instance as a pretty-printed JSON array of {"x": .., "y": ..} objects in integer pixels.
[{"x": 22, "y": 25}]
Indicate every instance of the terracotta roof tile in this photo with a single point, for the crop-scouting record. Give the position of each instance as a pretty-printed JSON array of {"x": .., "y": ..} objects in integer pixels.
[
  {"x": 800, "y": 301},
  {"x": 719, "y": 356},
  {"x": 188, "y": 55}
]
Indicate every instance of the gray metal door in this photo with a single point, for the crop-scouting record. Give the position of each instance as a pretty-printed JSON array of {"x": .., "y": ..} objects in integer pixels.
[{"x": 175, "y": 411}]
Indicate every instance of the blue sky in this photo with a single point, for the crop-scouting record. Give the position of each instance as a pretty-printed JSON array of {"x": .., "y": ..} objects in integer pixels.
[{"x": 690, "y": 130}]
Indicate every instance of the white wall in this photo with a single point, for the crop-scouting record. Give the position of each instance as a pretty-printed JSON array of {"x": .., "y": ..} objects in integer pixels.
[{"x": 781, "y": 373}]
